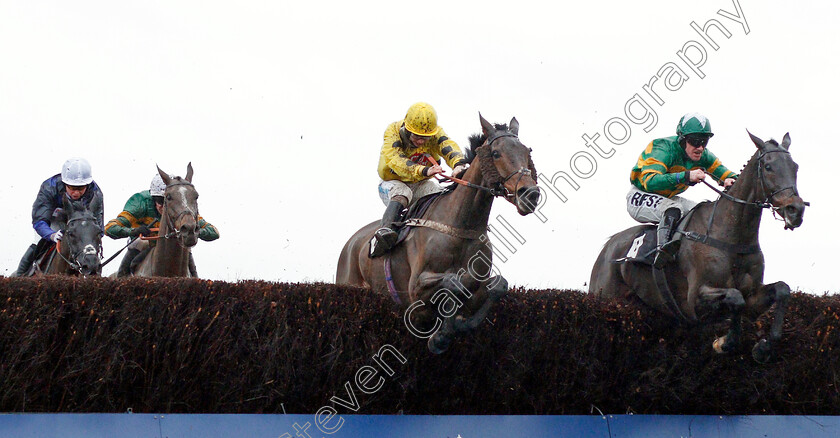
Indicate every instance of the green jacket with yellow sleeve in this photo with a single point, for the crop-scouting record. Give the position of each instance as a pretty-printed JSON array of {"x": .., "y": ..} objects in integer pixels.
[
  {"x": 140, "y": 210},
  {"x": 663, "y": 167}
]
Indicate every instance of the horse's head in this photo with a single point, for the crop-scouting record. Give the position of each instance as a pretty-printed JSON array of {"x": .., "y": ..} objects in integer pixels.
[
  {"x": 776, "y": 173},
  {"x": 506, "y": 165},
  {"x": 180, "y": 208},
  {"x": 82, "y": 238}
]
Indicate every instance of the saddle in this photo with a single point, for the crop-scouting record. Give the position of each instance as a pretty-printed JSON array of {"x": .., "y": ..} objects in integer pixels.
[
  {"x": 44, "y": 254},
  {"x": 643, "y": 247},
  {"x": 409, "y": 215}
]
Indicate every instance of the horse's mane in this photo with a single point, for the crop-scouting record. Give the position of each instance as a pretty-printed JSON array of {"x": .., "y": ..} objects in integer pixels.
[
  {"x": 756, "y": 154},
  {"x": 478, "y": 139},
  {"x": 485, "y": 161}
]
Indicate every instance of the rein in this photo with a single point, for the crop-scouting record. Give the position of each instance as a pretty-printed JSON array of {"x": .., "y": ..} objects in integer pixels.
[
  {"x": 499, "y": 191},
  {"x": 768, "y": 198},
  {"x": 74, "y": 264},
  {"x": 740, "y": 248}
]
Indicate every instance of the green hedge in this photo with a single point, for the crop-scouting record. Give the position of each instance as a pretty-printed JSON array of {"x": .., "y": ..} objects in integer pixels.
[{"x": 193, "y": 346}]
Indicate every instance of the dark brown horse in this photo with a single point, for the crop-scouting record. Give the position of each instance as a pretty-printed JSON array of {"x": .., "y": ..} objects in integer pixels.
[
  {"x": 178, "y": 230},
  {"x": 79, "y": 251},
  {"x": 442, "y": 273},
  {"x": 720, "y": 267}
]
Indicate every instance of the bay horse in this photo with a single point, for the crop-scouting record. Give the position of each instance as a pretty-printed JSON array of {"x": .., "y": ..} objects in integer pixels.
[
  {"x": 442, "y": 272},
  {"x": 79, "y": 251},
  {"x": 719, "y": 269},
  {"x": 178, "y": 231}
]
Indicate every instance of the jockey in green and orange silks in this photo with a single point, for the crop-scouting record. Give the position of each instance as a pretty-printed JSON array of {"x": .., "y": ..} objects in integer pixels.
[
  {"x": 666, "y": 168},
  {"x": 405, "y": 168}
]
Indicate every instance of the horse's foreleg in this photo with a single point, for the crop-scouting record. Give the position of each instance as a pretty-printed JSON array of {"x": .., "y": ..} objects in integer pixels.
[
  {"x": 732, "y": 301},
  {"x": 778, "y": 293},
  {"x": 443, "y": 292},
  {"x": 494, "y": 289}
]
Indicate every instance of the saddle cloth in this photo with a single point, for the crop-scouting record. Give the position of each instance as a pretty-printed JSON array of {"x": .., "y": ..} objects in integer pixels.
[{"x": 642, "y": 248}]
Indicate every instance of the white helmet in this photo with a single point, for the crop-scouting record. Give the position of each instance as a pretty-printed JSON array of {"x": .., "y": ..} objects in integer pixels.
[
  {"x": 157, "y": 187},
  {"x": 76, "y": 172}
]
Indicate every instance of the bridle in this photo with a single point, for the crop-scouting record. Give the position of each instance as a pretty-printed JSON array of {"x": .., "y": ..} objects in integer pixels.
[
  {"x": 767, "y": 203},
  {"x": 88, "y": 249},
  {"x": 498, "y": 188},
  {"x": 174, "y": 231}
]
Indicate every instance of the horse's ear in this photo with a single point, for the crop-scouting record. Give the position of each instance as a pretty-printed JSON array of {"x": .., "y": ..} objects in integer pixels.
[
  {"x": 68, "y": 205},
  {"x": 514, "y": 126},
  {"x": 189, "y": 172},
  {"x": 786, "y": 141},
  {"x": 759, "y": 143},
  {"x": 486, "y": 127},
  {"x": 95, "y": 204},
  {"x": 164, "y": 175}
]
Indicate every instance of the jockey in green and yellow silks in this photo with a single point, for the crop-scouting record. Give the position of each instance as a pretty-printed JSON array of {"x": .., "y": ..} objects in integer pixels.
[
  {"x": 666, "y": 168},
  {"x": 405, "y": 168},
  {"x": 143, "y": 211}
]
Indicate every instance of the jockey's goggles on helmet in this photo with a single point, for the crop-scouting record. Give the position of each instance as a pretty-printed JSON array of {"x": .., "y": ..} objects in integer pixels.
[
  {"x": 697, "y": 140},
  {"x": 74, "y": 188}
]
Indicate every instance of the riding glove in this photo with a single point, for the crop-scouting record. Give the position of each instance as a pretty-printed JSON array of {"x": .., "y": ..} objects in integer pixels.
[{"x": 142, "y": 230}]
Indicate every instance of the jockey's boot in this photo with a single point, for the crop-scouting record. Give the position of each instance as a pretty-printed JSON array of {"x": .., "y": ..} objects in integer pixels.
[
  {"x": 139, "y": 259},
  {"x": 386, "y": 236},
  {"x": 666, "y": 247},
  {"x": 26, "y": 261},
  {"x": 191, "y": 265},
  {"x": 125, "y": 265}
]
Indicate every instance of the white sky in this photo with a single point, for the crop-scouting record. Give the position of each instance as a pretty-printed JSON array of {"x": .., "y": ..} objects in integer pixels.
[{"x": 281, "y": 107}]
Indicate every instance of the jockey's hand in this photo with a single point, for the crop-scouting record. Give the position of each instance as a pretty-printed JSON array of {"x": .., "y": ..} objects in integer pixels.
[
  {"x": 55, "y": 237},
  {"x": 696, "y": 175},
  {"x": 433, "y": 170},
  {"x": 459, "y": 170},
  {"x": 728, "y": 182},
  {"x": 142, "y": 230}
]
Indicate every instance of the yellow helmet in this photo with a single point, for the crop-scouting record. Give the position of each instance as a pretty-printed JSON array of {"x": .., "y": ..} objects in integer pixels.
[{"x": 421, "y": 119}]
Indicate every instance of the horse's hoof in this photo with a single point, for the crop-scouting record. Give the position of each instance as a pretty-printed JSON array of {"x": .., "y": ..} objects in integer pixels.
[
  {"x": 762, "y": 351},
  {"x": 719, "y": 345},
  {"x": 438, "y": 344}
]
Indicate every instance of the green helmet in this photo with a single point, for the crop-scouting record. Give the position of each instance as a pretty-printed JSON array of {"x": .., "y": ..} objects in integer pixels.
[{"x": 694, "y": 123}]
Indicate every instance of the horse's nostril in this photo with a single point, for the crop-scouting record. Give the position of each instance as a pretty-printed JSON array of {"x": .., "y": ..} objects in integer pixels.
[
  {"x": 791, "y": 210},
  {"x": 530, "y": 195}
]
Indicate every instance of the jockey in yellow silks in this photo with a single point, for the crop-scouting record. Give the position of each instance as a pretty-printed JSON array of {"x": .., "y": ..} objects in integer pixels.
[{"x": 405, "y": 168}]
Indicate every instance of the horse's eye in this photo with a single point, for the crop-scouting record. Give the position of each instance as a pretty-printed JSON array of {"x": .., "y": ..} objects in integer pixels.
[
  {"x": 496, "y": 154},
  {"x": 767, "y": 167}
]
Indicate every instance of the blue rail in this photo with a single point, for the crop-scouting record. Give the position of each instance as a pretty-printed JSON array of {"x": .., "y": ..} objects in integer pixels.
[{"x": 411, "y": 426}]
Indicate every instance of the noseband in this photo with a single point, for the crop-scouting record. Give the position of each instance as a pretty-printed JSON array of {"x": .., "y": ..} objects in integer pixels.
[
  {"x": 769, "y": 198},
  {"x": 174, "y": 231},
  {"x": 767, "y": 203},
  {"x": 88, "y": 249},
  {"x": 499, "y": 187}
]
